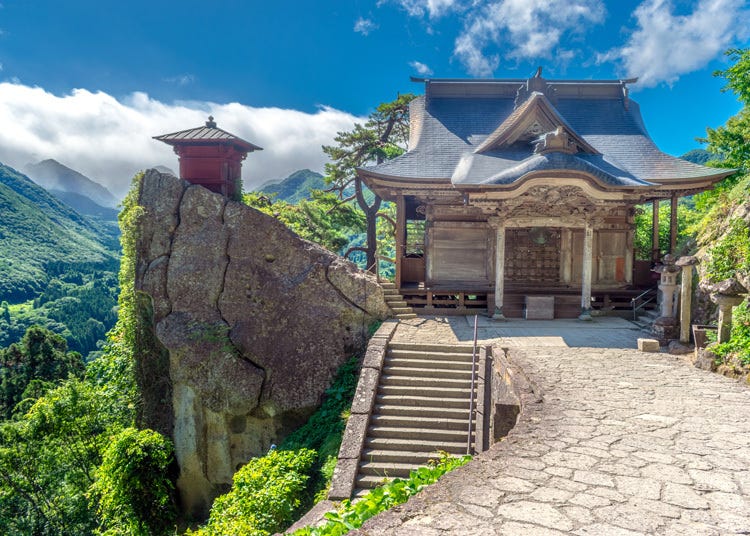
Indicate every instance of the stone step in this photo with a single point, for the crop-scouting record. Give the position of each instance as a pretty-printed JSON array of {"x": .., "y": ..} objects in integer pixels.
[
  {"x": 405, "y": 316},
  {"x": 432, "y": 364},
  {"x": 424, "y": 372},
  {"x": 417, "y": 381},
  {"x": 423, "y": 411},
  {"x": 387, "y": 469},
  {"x": 453, "y": 357},
  {"x": 395, "y": 301},
  {"x": 431, "y": 391},
  {"x": 413, "y": 458},
  {"x": 401, "y": 310},
  {"x": 412, "y": 401},
  {"x": 421, "y": 445},
  {"x": 387, "y": 285},
  {"x": 431, "y": 423},
  {"x": 443, "y": 348},
  {"x": 418, "y": 433},
  {"x": 367, "y": 482}
]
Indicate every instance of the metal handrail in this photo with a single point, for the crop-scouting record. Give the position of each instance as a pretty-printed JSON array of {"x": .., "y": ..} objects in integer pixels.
[
  {"x": 379, "y": 258},
  {"x": 640, "y": 296},
  {"x": 471, "y": 392}
]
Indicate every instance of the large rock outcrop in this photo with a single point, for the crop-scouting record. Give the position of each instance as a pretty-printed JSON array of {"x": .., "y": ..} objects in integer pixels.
[{"x": 250, "y": 322}]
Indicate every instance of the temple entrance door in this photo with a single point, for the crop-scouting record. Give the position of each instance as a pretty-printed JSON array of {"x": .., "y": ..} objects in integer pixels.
[{"x": 532, "y": 256}]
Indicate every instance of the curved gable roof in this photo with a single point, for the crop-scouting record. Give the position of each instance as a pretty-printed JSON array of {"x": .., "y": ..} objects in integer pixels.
[{"x": 471, "y": 131}]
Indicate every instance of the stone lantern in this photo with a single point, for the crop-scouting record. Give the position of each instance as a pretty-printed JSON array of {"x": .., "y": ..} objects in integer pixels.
[
  {"x": 727, "y": 294},
  {"x": 665, "y": 327}
]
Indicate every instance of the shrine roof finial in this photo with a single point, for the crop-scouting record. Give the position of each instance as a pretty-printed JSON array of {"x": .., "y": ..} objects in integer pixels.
[{"x": 211, "y": 123}]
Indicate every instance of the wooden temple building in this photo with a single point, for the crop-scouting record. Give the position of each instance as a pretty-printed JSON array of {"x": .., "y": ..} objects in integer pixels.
[
  {"x": 523, "y": 191},
  {"x": 211, "y": 157}
]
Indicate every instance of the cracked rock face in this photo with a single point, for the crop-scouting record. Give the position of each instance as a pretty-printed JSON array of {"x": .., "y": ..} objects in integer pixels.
[{"x": 255, "y": 321}]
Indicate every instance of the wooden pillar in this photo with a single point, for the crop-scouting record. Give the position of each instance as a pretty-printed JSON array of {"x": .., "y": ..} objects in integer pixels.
[
  {"x": 655, "y": 232},
  {"x": 673, "y": 224},
  {"x": 499, "y": 270},
  {"x": 588, "y": 254},
  {"x": 400, "y": 237},
  {"x": 686, "y": 295},
  {"x": 566, "y": 255}
]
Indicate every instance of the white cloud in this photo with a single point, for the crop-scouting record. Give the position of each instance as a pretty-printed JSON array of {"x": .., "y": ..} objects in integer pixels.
[
  {"x": 665, "y": 46},
  {"x": 433, "y": 8},
  {"x": 421, "y": 68},
  {"x": 524, "y": 29},
  {"x": 109, "y": 139},
  {"x": 365, "y": 26}
]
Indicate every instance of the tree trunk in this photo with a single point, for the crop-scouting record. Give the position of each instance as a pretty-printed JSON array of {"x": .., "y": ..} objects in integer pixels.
[{"x": 371, "y": 214}]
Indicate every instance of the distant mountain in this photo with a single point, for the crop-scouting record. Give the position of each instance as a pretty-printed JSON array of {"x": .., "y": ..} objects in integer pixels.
[
  {"x": 41, "y": 237},
  {"x": 295, "y": 187},
  {"x": 84, "y": 205},
  {"x": 699, "y": 156},
  {"x": 53, "y": 175}
]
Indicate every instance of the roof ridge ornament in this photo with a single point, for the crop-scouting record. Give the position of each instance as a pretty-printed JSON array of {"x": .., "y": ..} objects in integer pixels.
[
  {"x": 535, "y": 84},
  {"x": 211, "y": 123},
  {"x": 558, "y": 140}
]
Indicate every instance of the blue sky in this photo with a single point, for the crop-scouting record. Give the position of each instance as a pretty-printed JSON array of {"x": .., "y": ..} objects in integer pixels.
[{"x": 83, "y": 80}]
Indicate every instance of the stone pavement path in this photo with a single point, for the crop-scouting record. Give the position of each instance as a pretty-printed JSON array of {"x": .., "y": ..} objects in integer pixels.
[{"x": 622, "y": 443}]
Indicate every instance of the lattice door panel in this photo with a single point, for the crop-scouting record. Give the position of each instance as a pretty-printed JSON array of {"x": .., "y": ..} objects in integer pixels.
[{"x": 532, "y": 255}]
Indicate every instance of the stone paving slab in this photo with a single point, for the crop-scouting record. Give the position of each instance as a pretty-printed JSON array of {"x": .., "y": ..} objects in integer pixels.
[{"x": 622, "y": 443}]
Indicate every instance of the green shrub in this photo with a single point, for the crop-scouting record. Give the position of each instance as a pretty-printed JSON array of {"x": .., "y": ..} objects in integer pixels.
[
  {"x": 352, "y": 515},
  {"x": 739, "y": 341},
  {"x": 265, "y": 496},
  {"x": 133, "y": 491},
  {"x": 731, "y": 253}
]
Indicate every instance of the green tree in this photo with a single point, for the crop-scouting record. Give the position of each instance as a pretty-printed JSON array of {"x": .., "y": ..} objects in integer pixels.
[
  {"x": 321, "y": 219},
  {"x": 48, "y": 458},
  {"x": 383, "y": 136},
  {"x": 40, "y": 360},
  {"x": 133, "y": 491}
]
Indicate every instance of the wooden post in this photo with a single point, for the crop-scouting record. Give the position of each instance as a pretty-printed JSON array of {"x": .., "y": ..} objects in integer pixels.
[
  {"x": 566, "y": 255},
  {"x": 499, "y": 270},
  {"x": 686, "y": 292},
  {"x": 400, "y": 237},
  {"x": 655, "y": 232},
  {"x": 673, "y": 224},
  {"x": 588, "y": 254}
]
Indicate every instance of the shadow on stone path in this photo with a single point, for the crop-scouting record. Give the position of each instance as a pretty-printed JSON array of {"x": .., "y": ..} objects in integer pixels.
[{"x": 621, "y": 443}]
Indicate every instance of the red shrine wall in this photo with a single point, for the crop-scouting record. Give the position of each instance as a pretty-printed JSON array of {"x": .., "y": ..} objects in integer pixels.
[{"x": 217, "y": 167}]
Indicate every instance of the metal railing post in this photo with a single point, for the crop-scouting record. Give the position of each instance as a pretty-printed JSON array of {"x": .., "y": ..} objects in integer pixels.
[{"x": 473, "y": 380}]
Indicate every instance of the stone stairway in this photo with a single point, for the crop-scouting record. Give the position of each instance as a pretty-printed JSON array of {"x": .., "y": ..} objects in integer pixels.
[
  {"x": 421, "y": 407},
  {"x": 396, "y": 302}
]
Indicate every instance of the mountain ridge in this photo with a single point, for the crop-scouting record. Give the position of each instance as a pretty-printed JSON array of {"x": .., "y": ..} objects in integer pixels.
[
  {"x": 40, "y": 236},
  {"x": 52, "y": 175},
  {"x": 295, "y": 187}
]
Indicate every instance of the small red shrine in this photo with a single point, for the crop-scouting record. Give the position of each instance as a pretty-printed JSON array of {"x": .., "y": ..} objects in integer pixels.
[{"x": 211, "y": 157}]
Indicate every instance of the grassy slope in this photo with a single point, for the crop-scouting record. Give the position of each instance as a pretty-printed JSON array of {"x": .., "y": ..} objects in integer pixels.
[{"x": 40, "y": 236}]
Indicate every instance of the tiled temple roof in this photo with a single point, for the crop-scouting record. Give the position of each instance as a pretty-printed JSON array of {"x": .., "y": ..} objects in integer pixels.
[{"x": 471, "y": 132}]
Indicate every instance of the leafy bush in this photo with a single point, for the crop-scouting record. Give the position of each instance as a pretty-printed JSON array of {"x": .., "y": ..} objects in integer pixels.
[
  {"x": 48, "y": 457},
  {"x": 730, "y": 254},
  {"x": 264, "y": 498},
  {"x": 133, "y": 492},
  {"x": 352, "y": 515},
  {"x": 739, "y": 341},
  {"x": 325, "y": 428}
]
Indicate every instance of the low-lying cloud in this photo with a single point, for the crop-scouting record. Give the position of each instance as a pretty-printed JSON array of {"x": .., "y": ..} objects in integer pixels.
[{"x": 109, "y": 140}]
